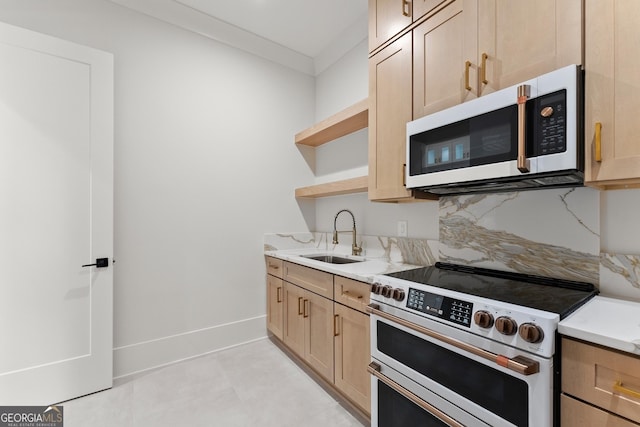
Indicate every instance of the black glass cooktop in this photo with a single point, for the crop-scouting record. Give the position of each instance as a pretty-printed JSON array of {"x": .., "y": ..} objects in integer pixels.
[{"x": 542, "y": 293}]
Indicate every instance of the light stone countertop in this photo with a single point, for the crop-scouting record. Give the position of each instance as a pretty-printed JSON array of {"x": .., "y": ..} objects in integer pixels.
[
  {"x": 362, "y": 271},
  {"x": 610, "y": 322}
]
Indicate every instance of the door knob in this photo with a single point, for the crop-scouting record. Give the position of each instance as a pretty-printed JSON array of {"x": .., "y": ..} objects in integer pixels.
[{"x": 100, "y": 263}]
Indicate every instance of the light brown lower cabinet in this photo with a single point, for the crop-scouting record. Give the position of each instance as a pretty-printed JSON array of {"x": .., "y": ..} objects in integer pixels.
[
  {"x": 600, "y": 386},
  {"x": 352, "y": 355},
  {"x": 275, "y": 305},
  {"x": 308, "y": 328},
  {"x": 331, "y": 335},
  {"x": 579, "y": 414}
]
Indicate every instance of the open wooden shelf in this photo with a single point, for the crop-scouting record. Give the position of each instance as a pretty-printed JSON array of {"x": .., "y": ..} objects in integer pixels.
[
  {"x": 340, "y": 124},
  {"x": 345, "y": 186}
]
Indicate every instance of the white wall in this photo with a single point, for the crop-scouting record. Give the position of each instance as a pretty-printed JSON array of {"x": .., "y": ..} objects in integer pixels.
[{"x": 205, "y": 164}]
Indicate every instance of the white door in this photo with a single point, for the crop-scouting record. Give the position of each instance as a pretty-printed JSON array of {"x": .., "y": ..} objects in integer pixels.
[{"x": 56, "y": 214}]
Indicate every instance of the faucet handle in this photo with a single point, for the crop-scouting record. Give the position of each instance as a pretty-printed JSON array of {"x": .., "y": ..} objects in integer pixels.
[{"x": 356, "y": 250}]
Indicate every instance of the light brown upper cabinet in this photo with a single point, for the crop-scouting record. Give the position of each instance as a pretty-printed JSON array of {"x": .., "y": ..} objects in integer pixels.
[
  {"x": 471, "y": 48},
  {"x": 444, "y": 47},
  {"x": 386, "y": 19},
  {"x": 389, "y": 111},
  {"x": 612, "y": 103}
]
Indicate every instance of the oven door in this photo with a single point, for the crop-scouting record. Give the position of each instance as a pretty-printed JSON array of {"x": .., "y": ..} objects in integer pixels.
[
  {"x": 491, "y": 381},
  {"x": 397, "y": 401}
]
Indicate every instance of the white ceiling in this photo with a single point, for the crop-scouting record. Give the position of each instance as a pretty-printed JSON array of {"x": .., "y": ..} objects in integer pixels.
[{"x": 307, "y": 35}]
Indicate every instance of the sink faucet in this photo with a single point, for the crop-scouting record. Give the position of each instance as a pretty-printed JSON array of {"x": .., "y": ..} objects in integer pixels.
[{"x": 355, "y": 249}]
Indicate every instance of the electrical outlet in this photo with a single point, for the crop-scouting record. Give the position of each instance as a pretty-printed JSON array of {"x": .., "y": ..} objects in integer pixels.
[{"x": 402, "y": 228}]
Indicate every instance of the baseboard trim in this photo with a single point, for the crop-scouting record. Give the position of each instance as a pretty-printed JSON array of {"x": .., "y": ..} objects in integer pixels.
[{"x": 143, "y": 356}]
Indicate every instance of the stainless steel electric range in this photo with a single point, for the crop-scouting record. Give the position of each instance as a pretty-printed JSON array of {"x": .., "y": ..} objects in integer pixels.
[{"x": 462, "y": 346}]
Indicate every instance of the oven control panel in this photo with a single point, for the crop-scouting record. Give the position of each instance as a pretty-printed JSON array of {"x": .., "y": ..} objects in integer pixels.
[{"x": 453, "y": 310}]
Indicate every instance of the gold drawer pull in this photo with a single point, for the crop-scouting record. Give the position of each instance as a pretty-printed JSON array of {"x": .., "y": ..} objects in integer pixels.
[
  {"x": 624, "y": 390},
  {"x": 597, "y": 147},
  {"x": 274, "y": 266},
  {"x": 356, "y": 299}
]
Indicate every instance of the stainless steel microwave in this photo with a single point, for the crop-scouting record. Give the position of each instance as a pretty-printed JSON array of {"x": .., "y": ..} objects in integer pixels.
[{"x": 522, "y": 137}]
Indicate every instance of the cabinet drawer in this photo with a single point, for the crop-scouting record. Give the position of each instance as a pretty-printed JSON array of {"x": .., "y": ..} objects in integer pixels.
[
  {"x": 274, "y": 266},
  {"x": 606, "y": 378},
  {"x": 352, "y": 293},
  {"x": 578, "y": 414},
  {"x": 310, "y": 279}
]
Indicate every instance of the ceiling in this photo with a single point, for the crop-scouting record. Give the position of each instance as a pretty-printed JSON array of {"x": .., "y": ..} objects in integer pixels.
[{"x": 307, "y": 35}]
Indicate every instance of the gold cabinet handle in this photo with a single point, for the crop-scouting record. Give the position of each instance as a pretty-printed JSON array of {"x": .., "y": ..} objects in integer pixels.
[
  {"x": 357, "y": 299},
  {"x": 406, "y": 11},
  {"x": 484, "y": 69},
  {"x": 374, "y": 369},
  {"x": 274, "y": 266},
  {"x": 624, "y": 390},
  {"x": 279, "y": 294},
  {"x": 404, "y": 175},
  {"x": 597, "y": 146},
  {"x": 300, "y": 308},
  {"x": 306, "y": 308},
  {"x": 336, "y": 325},
  {"x": 467, "y": 66},
  {"x": 523, "y": 94}
]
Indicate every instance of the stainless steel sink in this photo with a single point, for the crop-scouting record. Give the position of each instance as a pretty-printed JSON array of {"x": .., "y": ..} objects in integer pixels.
[{"x": 331, "y": 259}]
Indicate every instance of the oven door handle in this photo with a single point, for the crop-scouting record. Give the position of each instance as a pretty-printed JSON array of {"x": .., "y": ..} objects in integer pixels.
[
  {"x": 519, "y": 364},
  {"x": 374, "y": 369}
]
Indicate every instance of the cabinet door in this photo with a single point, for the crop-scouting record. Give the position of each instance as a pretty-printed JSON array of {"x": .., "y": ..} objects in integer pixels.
[
  {"x": 386, "y": 19},
  {"x": 524, "y": 39},
  {"x": 612, "y": 85},
  {"x": 389, "y": 111},
  {"x": 318, "y": 342},
  {"x": 293, "y": 332},
  {"x": 275, "y": 305},
  {"x": 444, "y": 58},
  {"x": 353, "y": 355},
  {"x": 578, "y": 414}
]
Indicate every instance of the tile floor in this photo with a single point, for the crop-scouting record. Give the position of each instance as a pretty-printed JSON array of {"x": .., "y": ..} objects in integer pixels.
[{"x": 254, "y": 384}]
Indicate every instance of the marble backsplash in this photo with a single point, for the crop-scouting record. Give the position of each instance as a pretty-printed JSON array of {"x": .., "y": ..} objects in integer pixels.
[
  {"x": 553, "y": 233},
  {"x": 620, "y": 276},
  {"x": 397, "y": 250}
]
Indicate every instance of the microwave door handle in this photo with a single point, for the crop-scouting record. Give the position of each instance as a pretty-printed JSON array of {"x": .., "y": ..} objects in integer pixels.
[{"x": 524, "y": 92}]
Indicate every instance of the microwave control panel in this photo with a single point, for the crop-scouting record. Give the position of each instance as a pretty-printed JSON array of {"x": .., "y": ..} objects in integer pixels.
[
  {"x": 551, "y": 123},
  {"x": 452, "y": 310}
]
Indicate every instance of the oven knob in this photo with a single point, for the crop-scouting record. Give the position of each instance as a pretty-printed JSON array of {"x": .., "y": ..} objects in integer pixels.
[
  {"x": 387, "y": 291},
  {"x": 483, "y": 318},
  {"x": 506, "y": 325},
  {"x": 546, "y": 112},
  {"x": 530, "y": 332},
  {"x": 398, "y": 294},
  {"x": 375, "y": 288}
]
